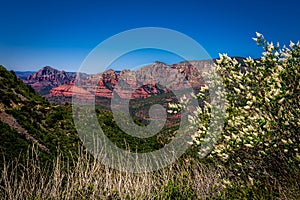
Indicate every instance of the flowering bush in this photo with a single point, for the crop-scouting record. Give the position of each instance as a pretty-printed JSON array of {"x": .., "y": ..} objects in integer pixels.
[{"x": 262, "y": 117}]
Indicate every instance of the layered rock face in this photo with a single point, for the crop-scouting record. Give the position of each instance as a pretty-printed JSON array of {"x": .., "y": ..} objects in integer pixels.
[{"x": 71, "y": 90}]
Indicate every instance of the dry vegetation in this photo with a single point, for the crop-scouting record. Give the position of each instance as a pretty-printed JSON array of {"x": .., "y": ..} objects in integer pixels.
[{"x": 89, "y": 179}]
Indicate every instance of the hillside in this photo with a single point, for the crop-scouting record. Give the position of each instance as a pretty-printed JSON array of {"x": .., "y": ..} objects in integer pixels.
[{"x": 28, "y": 119}]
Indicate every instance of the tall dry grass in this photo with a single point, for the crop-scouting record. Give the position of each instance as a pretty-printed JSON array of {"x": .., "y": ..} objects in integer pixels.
[{"x": 88, "y": 179}]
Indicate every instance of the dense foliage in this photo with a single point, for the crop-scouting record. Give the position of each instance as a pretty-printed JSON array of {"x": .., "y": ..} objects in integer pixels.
[{"x": 260, "y": 140}]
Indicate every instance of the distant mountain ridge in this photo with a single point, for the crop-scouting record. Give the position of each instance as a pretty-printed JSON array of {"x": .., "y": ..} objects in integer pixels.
[
  {"x": 23, "y": 74},
  {"x": 56, "y": 85}
]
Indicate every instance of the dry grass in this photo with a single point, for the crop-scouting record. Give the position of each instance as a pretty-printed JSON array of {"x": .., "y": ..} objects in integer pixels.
[{"x": 88, "y": 179}]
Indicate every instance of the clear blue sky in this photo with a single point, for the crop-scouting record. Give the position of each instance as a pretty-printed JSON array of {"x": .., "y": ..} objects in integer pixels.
[{"x": 61, "y": 33}]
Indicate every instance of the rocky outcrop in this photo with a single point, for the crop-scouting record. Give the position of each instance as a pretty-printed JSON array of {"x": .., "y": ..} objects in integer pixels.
[{"x": 47, "y": 78}]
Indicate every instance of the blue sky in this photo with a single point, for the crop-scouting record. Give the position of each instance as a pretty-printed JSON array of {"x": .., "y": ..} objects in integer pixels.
[{"x": 34, "y": 33}]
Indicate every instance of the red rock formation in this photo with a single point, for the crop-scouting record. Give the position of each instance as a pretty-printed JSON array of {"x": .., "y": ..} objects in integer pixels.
[
  {"x": 47, "y": 78},
  {"x": 71, "y": 90},
  {"x": 102, "y": 91},
  {"x": 147, "y": 81}
]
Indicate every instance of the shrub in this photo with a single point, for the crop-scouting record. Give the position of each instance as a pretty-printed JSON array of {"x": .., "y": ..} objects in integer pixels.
[{"x": 260, "y": 138}]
